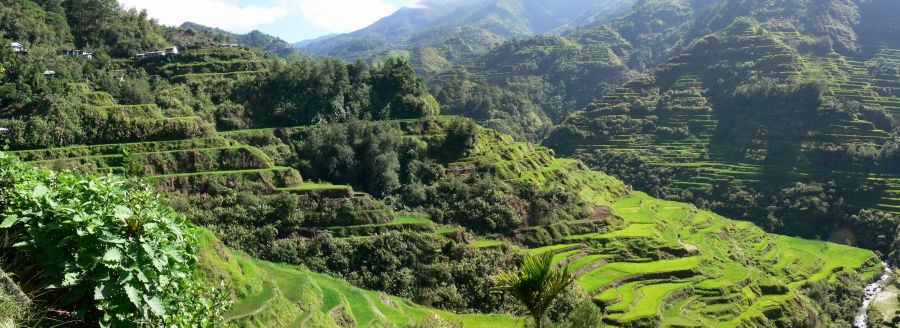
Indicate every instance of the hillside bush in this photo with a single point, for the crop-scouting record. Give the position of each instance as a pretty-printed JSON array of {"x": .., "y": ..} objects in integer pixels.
[{"x": 102, "y": 248}]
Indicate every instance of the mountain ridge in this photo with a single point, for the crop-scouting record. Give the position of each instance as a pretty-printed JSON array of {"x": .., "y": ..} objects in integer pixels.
[{"x": 430, "y": 24}]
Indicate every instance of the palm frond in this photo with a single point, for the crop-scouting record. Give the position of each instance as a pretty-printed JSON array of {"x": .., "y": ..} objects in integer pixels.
[{"x": 536, "y": 284}]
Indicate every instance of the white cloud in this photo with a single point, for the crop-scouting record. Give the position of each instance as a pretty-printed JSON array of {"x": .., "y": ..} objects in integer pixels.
[
  {"x": 215, "y": 13},
  {"x": 343, "y": 15},
  {"x": 417, "y": 4}
]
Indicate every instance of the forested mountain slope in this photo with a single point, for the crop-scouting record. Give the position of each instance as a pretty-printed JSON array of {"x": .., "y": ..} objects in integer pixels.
[
  {"x": 631, "y": 252},
  {"x": 255, "y": 38},
  {"x": 745, "y": 123},
  {"x": 380, "y": 210},
  {"x": 439, "y": 33},
  {"x": 552, "y": 75}
]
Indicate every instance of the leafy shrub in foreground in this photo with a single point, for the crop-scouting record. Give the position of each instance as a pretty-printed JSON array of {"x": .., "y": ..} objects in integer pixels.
[{"x": 104, "y": 248}]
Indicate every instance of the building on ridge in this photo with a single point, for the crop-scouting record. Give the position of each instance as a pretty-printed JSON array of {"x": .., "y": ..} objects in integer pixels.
[
  {"x": 76, "y": 52},
  {"x": 18, "y": 48}
]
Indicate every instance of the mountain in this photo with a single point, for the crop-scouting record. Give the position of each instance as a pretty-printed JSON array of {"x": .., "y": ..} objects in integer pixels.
[
  {"x": 559, "y": 73},
  {"x": 254, "y": 39},
  {"x": 231, "y": 187},
  {"x": 752, "y": 116},
  {"x": 463, "y": 28},
  {"x": 305, "y": 43}
]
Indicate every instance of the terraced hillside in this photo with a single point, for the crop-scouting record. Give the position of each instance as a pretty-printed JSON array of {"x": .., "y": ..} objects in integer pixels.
[
  {"x": 634, "y": 255},
  {"x": 281, "y": 295},
  {"x": 668, "y": 263},
  {"x": 641, "y": 259},
  {"x": 638, "y": 255},
  {"x": 181, "y": 161},
  {"x": 199, "y": 63},
  {"x": 743, "y": 108},
  {"x": 675, "y": 265}
]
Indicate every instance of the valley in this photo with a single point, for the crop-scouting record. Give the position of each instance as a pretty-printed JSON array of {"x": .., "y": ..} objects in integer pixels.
[{"x": 669, "y": 163}]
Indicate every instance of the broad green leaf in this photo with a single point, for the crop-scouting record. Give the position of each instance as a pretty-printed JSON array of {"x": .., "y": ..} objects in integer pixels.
[
  {"x": 122, "y": 212},
  {"x": 156, "y": 306},
  {"x": 9, "y": 221},
  {"x": 40, "y": 191},
  {"x": 70, "y": 279},
  {"x": 142, "y": 277},
  {"x": 113, "y": 255},
  {"x": 101, "y": 292},
  {"x": 133, "y": 295}
]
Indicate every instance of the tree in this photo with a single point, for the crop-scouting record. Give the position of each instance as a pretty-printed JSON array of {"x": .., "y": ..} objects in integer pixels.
[{"x": 536, "y": 284}]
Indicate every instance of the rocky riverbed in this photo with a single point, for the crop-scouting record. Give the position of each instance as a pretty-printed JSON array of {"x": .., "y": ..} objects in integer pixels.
[{"x": 872, "y": 291}]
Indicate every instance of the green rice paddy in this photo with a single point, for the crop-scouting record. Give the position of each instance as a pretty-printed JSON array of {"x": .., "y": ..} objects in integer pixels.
[{"x": 654, "y": 258}]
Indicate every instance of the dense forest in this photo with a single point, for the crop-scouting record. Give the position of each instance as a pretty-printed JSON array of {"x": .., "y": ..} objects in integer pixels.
[{"x": 566, "y": 166}]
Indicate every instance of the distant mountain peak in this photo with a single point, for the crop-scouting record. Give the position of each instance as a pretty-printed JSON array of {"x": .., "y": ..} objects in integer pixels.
[
  {"x": 255, "y": 38},
  {"x": 432, "y": 23}
]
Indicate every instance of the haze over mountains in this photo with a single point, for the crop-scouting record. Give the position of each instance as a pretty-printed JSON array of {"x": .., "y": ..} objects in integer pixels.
[{"x": 476, "y": 24}]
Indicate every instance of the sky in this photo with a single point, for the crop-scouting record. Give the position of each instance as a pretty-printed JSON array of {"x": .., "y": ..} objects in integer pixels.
[{"x": 291, "y": 20}]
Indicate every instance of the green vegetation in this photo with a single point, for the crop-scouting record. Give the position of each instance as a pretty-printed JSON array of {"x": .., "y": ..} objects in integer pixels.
[
  {"x": 536, "y": 284},
  {"x": 747, "y": 124},
  {"x": 713, "y": 271},
  {"x": 453, "y": 32},
  {"x": 254, "y": 39},
  {"x": 12, "y": 311},
  {"x": 381, "y": 212},
  {"x": 270, "y": 294},
  {"x": 101, "y": 249}
]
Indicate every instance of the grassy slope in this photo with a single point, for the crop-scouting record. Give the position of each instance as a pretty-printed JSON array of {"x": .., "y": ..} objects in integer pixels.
[
  {"x": 278, "y": 295},
  {"x": 718, "y": 151},
  {"x": 669, "y": 260},
  {"x": 651, "y": 257}
]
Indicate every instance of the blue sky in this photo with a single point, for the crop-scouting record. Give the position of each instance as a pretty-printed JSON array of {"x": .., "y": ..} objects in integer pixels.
[{"x": 291, "y": 20}]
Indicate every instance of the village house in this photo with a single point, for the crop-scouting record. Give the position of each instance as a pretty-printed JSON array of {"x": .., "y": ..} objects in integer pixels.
[
  {"x": 85, "y": 54},
  {"x": 49, "y": 74},
  {"x": 118, "y": 74},
  {"x": 228, "y": 45},
  {"x": 153, "y": 54},
  {"x": 18, "y": 48}
]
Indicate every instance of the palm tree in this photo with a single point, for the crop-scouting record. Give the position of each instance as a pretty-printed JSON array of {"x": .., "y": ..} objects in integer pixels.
[{"x": 536, "y": 284}]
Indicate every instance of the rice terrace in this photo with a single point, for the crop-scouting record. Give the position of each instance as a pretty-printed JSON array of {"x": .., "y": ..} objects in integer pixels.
[{"x": 436, "y": 164}]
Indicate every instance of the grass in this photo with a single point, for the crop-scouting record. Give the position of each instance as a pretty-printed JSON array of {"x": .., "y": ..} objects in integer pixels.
[
  {"x": 637, "y": 230},
  {"x": 551, "y": 248},
  {"x": 406, "y": 219},
  {"x": 650, "y": 300},
  {"x": 610, "y": 272},
  {"x": 11, "y": 310},
  {"x": 585, "y": 260},
  {"x": 225, "y": 172},
  {"x": 483, "y": 243},
  {"x": 278, "y": 295},
  {"x": 886, "y": 302},
  {"x": 731, "y": 274},
  {"x": 316, "y": 186},
  {"x": 833, "y": 255},
  {"x": 709, "y": 254},
  {"x": 724, "y": 262}
]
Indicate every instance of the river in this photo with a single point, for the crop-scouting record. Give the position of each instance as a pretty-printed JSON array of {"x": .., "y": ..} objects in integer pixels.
[{"x": 862, "y": 318}]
